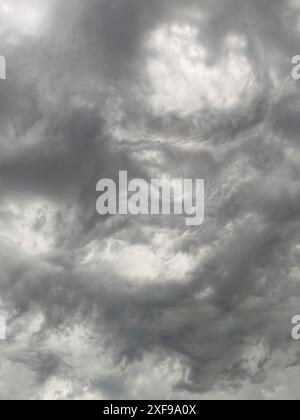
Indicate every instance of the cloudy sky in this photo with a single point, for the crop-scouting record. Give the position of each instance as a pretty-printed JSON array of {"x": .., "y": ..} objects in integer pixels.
[{"x": 145, "y": 307}]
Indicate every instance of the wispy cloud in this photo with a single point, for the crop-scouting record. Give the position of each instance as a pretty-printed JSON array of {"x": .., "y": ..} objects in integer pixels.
[{"x": 145, "y": 307}]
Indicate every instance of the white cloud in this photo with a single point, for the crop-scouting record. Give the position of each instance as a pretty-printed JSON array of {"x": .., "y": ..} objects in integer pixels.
[
  {"x": 157, "y": 261},
  {"x": 182, "y": 79},
  {"x": 23, "y": 18}
]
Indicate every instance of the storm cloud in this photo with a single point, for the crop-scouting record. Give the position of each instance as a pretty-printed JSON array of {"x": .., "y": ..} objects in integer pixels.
[{"x": 146, "y": 307}]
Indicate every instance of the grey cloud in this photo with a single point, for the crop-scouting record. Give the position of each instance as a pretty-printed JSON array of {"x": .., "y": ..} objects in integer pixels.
[{"x": 76, "y": 108}]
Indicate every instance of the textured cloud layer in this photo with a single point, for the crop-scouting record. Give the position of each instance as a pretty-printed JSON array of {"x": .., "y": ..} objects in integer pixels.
[{"x": 144, "y": 307}]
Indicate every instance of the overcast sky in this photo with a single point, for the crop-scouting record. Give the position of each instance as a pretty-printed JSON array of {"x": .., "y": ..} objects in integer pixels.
[{"x": 146, "y": 307}]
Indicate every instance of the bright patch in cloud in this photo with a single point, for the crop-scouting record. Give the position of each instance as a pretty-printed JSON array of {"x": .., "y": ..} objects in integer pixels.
[
  {"x": 30, "y": 226},
  {"x": 22, "y": 17},
  {"x": 155, "y": 262},
  {"x": 182, "y": 81}
]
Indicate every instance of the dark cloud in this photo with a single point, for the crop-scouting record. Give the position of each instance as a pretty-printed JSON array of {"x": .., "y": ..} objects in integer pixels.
[{"x": 124, "y": 307}]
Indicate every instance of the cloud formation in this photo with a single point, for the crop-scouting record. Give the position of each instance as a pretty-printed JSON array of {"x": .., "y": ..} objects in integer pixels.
[{"x": 144, "y": 307}]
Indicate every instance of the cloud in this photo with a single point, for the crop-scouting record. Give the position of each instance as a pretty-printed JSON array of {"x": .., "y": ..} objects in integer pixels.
[{"x": 144, "y": 307}]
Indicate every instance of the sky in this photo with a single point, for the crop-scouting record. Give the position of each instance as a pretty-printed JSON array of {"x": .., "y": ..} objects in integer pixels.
[{"x": 145, "y": 307}]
